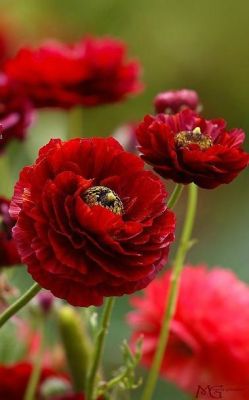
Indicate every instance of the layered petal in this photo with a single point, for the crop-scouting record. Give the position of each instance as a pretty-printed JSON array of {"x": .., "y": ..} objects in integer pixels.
[
  {"x": 187, "y": 148},
  {"x": 78, "y": 245}
]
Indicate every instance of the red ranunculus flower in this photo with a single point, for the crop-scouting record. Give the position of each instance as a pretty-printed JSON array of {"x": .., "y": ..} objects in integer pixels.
[
  {"x": 173, "y": 101},
  {"x": 187, "y": 148},
  {"x": 14, "y": 380},
  {"x": 8, "y": 252},
  {"x": 91, "y": 72},
  {"x": 15, "y": 112},
  {"x": 90, "y": 221},
  {"x": 209, "y": 342}
]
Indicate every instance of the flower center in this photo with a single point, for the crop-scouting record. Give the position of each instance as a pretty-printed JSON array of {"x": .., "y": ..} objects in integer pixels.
[
  {"x": 185, "y": 138},
  {"x": 105, "y": 197}
]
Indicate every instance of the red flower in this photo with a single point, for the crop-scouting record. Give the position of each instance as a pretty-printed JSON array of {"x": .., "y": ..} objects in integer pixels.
[
  {"x": 173, "y": 101},
  {"x": 187, "y": 148},
  {"x": 8, "y": 252},
  {"x": 15, "y": 112},
  {"x": 209, "y": 342},
  {"x": 89, "y": 73},
  {"x": 14, "y": 380},
  {"x": 90, "y": 221}
]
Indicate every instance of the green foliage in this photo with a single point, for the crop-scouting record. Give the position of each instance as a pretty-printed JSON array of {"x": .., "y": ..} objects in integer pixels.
[{"x": 124, "y": 378}]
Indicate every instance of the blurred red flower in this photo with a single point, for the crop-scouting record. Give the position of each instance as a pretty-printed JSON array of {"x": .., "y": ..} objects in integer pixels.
[
  {"x": 8, "y": 252},
  {"x": 91, "y": 72},
  {"x": 187, "y": 148},
  {"x": 15, "y": 112},
  {"x": 90, "y": 221},
  {"x": 14, "y": 380},
  {"x": 173, "y": 101},
  {"x": 209, "y": 342}
]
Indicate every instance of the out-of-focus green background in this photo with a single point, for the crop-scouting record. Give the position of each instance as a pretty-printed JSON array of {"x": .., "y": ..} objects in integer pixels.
[{"x": 202, "y": 45}]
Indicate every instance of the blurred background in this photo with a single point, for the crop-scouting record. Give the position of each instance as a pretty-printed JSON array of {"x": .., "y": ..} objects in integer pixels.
[{"x": 202, "y": 45}]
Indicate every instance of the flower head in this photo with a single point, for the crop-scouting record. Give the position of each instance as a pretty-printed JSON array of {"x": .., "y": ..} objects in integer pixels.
[
  {"x": 15, "y": 112},
  {"x": 173, "y": 101},
  {"x": 187, "y": 148},
  {"x": 8, "y": 252},
  {"x": 208, "y": 343},
  {"x": 92, "y": 72},
  {"x": 90, "y": 222}
]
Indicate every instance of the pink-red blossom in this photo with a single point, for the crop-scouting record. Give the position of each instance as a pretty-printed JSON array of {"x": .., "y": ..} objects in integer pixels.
[
  {"x": 209, "y": 342},
  {"x": 173, "y": 101}
]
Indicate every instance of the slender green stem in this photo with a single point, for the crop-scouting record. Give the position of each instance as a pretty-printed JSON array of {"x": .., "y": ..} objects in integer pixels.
[
  {"x": 5, "y": 175},
  {"x": 36, "y": 372},
  {"x": 175, "y": 195},
  {"x": 19, "y": 303},
  {"x": 99, "y": 347},
  {"x": 172, "y": 293}
]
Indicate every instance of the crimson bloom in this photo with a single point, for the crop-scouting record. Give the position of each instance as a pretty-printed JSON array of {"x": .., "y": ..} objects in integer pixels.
[
  {"x": 14, "y": 381},
  {"x": 187, "y": 148},
  {"x": 209, "y": 343},
  {"x": 173, "y": 101},
  {"x": 92, "y": 72},
  {"x": 15, "y": 112},
  {"x": 90, "y": 221},
  {"x": 8, "y": 252}
]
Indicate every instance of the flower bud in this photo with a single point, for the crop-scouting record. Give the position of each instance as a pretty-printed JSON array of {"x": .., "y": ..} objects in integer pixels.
[
  {"x": 55, "y": 387},
  {"x": 173, "y": 101}
]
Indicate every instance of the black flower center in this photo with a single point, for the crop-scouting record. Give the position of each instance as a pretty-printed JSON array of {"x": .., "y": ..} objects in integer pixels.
[
  {"x": 105, "y": 197},
  {"x": 186, "y": 138}
]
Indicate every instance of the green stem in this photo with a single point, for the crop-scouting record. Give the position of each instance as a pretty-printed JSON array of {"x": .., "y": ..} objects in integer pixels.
[
  {"x": 175, "y": 195},
  {"x": 36, "y": 372},
  {"x": 19, "y": 303},
  {"x": 99, "y": 347},
  {"x": 172, "y": 293},
  {"x": 5, "y": 175}
]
